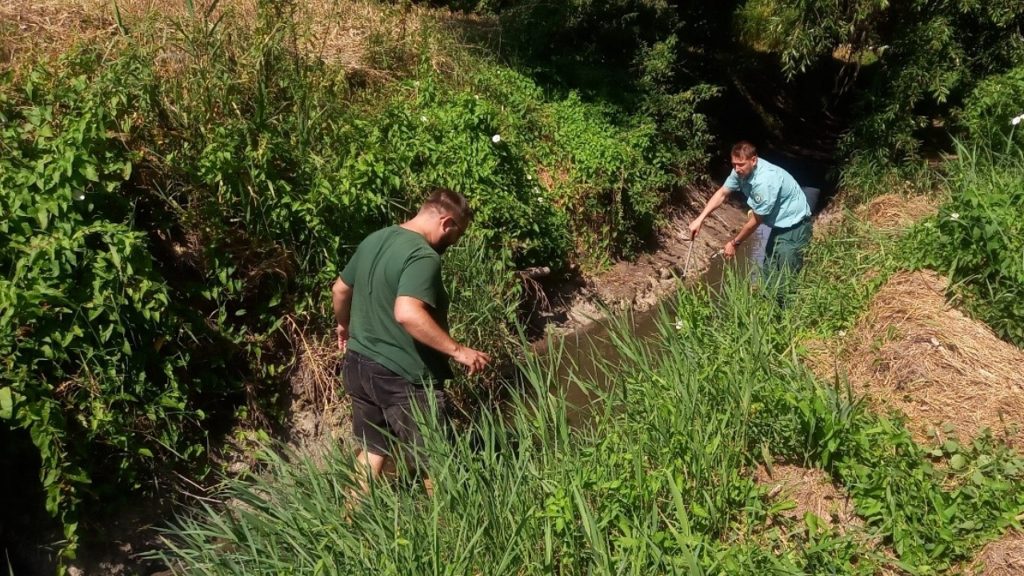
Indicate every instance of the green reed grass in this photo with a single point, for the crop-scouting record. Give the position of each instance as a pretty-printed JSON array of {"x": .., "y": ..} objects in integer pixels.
[{"x": 656, "y": 480}]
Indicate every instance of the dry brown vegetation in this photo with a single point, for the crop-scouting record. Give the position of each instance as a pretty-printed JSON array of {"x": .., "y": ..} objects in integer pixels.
[
  {"x": 891, "y": 213},
  {"x": 914, "y": 352},
  {"x": 1003, "y": 557},
  {"x": 897, "y": 212},
  {"x": 359, "y": 36},
  {"x": 319, "y": 410},
  {"x": 811, "y": 490}
]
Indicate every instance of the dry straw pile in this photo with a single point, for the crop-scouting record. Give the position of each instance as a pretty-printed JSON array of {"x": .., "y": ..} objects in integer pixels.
[
  {"x": 895, "y": 212},
  {"x": 1004, "y": 557},
  {"x": 811, "y": 490},
  {"x": 889, "y": 213},
  {"x": 914, "y": 352}
]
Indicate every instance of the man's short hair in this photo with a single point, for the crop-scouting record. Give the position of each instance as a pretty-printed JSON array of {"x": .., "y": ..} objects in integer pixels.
[
  {"x": 451, "y": 203},
  {"x": 744, "y": 149}
]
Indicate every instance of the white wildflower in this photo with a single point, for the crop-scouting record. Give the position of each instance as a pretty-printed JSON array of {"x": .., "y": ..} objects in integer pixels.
[
  {"x": 528, "y": 177},
  {"x": 496, "y": 138},
  {"x": 1016, "y": 119},
  {"x": 678, "y": 325},
  {"x": 954, "y": 216}
]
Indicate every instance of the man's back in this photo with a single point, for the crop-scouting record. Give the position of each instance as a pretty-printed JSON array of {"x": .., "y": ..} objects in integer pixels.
[{"x": 389, "y": 263}]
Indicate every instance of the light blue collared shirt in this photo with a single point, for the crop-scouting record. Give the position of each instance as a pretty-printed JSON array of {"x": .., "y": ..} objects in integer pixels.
[{"x": 772, "y": 194}]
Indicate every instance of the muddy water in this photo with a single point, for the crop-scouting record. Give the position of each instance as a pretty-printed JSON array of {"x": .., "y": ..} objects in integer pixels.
[{"x": 586, "y": 350}]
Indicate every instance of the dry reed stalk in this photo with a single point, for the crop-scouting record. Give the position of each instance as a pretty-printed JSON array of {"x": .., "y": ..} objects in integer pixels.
[
  {"x": 914, "y": 352},
  {"x": 1003, "y": 557},
  {"x": 318, "y": 362}
]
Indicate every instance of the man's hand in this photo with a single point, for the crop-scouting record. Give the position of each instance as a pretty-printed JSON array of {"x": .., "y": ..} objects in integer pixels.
[
  {"x": 695, "y": 227},
  {"x": 729, "y": 251},
  {"x": 474, "y": 360},
  {"x": 342, "y": 332}
]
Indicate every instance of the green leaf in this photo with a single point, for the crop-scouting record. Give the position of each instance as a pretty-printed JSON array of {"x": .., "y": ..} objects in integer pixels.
[
  {"x": 6, "y": 403},
  {"x": 957, "y": 462}
]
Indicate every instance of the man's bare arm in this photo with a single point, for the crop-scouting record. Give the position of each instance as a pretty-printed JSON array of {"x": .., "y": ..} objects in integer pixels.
[
  {"x": 714, "y": 202},
  {"x": 341, "y": 300},
  {"x": 414, "y": 316},
  {"x": 748, "y": 228}
]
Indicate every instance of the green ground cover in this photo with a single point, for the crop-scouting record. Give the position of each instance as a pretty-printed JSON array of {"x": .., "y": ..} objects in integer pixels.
[
  {"x": 659, "y": 478},
  {"x": 657, "y": 481}
]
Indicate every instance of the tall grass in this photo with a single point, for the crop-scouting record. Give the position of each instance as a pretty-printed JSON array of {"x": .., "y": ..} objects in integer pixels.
[
  {"x": 656, "y": 478},
  {"x": 977, "y": 238}
]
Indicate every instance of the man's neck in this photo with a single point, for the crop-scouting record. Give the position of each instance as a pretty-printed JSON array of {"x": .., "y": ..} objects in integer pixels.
[{"x": 417, "y": 224}]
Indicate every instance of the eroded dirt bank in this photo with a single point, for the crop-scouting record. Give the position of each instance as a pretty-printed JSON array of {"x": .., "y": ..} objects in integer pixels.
[{"x": 641, "y": 283}]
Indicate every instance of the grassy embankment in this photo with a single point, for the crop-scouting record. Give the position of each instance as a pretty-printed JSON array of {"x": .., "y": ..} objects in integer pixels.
[
  {"x": 662, "y": 479},
  {"x": 178, "y": 191}
]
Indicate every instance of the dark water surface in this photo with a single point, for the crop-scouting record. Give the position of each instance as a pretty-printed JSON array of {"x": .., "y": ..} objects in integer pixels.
[{"x": 585, "y": 351}]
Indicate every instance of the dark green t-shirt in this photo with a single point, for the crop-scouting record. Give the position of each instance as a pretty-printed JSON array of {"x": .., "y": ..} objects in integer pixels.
[{"x": 389, "y": 263}]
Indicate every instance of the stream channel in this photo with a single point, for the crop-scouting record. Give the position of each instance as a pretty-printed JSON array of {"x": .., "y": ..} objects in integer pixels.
[{"x": 583, "y": 352}]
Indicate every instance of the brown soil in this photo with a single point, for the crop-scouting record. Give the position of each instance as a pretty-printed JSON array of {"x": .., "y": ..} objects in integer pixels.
[
  {"x": 914, "y": 352},
  {"x": 640, "y": 284}
]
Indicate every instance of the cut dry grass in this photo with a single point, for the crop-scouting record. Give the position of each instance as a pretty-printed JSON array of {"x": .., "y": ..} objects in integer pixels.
[
  {"x": 811, "y": 490},
  {"x": 914, "y": 352},
  {"x": 1003, "y": 557},
  {"x": 890, "y": 213},
  {"x": 359, "y": 36},
  {"x": 897, "y": 212}
]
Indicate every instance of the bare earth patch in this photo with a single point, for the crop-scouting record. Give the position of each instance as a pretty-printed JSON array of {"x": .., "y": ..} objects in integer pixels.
[
  {"x": 1003, "y": 557},
  {"x": 914, "y": 352}
]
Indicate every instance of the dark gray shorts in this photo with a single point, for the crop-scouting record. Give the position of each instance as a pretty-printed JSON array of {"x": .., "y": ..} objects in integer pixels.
[{"x": 382, "y": 414}]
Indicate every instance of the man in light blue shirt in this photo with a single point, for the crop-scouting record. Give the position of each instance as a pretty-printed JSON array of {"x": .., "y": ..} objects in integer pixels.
[{"x": 775, "y": 199}]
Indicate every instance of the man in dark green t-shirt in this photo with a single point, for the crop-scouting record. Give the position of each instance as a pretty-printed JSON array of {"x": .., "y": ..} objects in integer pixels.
[{"x": 391, "y": 309}]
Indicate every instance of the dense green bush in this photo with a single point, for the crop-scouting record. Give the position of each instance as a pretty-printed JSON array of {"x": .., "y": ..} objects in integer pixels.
[
  {"x": 988, "y": 111},
  {"x": 87, "y": 324},
  {"x": 906, "y": 65},
  {"x": 978, "y": 237},
  {"x": 164, "y": 211}
]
